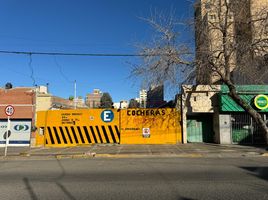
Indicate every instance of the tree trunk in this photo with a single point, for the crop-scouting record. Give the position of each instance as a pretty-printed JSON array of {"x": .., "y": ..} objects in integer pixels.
[{"x": 253, "y": 113}]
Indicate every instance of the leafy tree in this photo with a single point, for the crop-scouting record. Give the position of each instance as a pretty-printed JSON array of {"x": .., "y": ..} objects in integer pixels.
[
  {"x": 106, "y": 101},
  {"x": 71, "y": 98}
]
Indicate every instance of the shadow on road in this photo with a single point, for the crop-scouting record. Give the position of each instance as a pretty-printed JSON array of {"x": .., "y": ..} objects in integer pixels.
[
  {"x": 33, "y": 195},
  {"x": 62, "y": 175},
  {"x": 184, "y": 198},
  {"x": 260, "y": 172},
  {"x": 29, "y": 188}
]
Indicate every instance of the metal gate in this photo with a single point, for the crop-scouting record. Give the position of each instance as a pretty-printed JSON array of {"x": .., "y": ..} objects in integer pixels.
[
  {"x": 200, "y": 129},
  {"x": 245, "y": 130}
]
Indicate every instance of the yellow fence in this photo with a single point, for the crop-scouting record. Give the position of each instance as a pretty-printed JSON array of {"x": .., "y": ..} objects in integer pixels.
[
  {"x": 77, "y": 127},
  {"x": 132, "y": 126},
  {"x": 150, "y": 126}
]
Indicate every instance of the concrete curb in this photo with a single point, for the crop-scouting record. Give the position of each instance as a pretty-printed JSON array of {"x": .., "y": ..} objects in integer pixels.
[
  {"x": 128, "y": 156},
  {"x": 192, "y": 155},
  {"x": 136, "y": 151},
  {"x": 28, "y": 156}
]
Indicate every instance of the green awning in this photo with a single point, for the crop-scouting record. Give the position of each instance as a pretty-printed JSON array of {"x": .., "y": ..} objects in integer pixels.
[
  {"x": 246, "y": 92},
  {"x": 247, "y": 89}
]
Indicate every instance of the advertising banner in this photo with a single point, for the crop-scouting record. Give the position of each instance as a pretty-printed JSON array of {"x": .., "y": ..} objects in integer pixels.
[{"x": 19, "y": 135}]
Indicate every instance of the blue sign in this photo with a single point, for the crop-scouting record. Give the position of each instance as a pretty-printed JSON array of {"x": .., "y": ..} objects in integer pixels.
[{"x": 107, "y": 116}]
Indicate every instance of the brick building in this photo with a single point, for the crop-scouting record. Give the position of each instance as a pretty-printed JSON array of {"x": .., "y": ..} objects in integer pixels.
[
  {"x": 23, "y": 100},
  {"x": 26, "y": 102},
  {"x": 22, "y": 121}
]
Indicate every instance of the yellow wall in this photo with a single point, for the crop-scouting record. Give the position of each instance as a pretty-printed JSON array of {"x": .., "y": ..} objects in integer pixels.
[
  {"x": 163, "y": 125},
  {"x": 78, "y": 127}
]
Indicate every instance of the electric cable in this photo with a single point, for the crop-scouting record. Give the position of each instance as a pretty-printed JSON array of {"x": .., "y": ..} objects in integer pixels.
[
  {"x": 79, "y": 54},
  {"x": 31, "y": 68}
]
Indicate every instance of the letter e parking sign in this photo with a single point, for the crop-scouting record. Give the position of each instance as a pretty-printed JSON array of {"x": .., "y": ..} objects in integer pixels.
[{"x": 107, "y": 116}]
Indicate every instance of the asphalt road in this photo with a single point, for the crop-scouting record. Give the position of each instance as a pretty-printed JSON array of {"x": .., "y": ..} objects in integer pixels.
[{"x": 140, "y": 178}]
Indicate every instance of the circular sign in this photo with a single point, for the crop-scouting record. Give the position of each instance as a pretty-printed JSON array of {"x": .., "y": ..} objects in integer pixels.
[
  {"x": 261, "y": 101},
  {"x": 107, "y": 116},
  {"x": 9, "y": 110}
]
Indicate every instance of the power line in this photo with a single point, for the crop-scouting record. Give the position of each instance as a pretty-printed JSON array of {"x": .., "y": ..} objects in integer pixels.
[
  {"x": 79, "y": 54},
  {"x": 31, "y": 68},
  {"x": 61, "y": 72}
]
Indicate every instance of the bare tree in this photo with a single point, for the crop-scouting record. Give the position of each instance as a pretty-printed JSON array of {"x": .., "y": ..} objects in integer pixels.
[
  {"x": 164, "y": 59},
  {"x": 231, "y": 48}
]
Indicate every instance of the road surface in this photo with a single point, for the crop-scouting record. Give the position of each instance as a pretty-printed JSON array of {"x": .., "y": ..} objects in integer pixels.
[{"x": 135, "y": 178}]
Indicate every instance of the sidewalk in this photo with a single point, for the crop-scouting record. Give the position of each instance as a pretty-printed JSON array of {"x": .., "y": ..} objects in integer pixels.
[{"x": 127, "y": 151}]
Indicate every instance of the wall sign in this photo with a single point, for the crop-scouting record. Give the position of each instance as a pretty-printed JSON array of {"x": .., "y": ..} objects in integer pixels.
[
  {"x": 107, "y": 116},
  {"x": 19, "y": 135},
  {"x": 261, "y": 101},
  {"x": 146, "y": 132}
]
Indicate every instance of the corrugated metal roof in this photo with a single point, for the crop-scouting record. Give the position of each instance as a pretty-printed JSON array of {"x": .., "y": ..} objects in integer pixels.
[
  {"x": 229, "y": 105},
  {"x": 246, "y": 92},
  {"x": 247, "y": 89}
]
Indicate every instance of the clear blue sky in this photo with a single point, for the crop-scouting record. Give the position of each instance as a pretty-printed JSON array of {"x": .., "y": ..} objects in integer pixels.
[{"x": 77, "y": 26}]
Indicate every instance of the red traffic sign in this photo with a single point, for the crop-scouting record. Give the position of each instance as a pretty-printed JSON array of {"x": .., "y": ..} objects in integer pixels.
[{"x": 9, "y": 110}]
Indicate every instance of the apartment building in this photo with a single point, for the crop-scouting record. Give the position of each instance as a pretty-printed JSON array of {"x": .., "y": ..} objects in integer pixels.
[
  {"x": 143, "y": 98},
  {"x": 241, "y": 27},
  {"x": 93, "y": 99},
  {"x": 155, "y": 96}
]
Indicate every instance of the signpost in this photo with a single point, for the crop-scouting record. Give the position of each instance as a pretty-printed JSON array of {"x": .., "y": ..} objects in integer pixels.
[{"x": 9, "y": 111}]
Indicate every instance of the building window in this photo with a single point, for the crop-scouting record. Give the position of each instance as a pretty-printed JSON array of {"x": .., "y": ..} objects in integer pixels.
[
  {"x": 207, "y": 5},
  {"x": 212, "y": 17}
]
